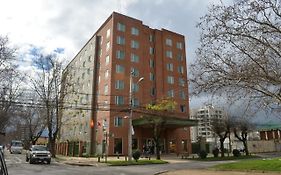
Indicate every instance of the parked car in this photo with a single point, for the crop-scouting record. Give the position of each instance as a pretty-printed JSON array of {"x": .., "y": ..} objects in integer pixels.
[
  {"x": 16, "y": 146},
  {"x": 38, "y": 153}
]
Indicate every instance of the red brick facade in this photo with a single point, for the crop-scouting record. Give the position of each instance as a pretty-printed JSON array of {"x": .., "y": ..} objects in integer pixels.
[{"x": 159, "y": 57}]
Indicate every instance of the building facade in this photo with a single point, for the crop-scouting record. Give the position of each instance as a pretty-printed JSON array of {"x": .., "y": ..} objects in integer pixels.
[
  {"x": 95, "y": 111},
  {"x": 205, "y": 115}
]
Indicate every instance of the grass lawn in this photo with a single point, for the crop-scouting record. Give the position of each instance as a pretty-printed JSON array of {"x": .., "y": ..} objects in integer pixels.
[
  {"x": 139, "y": 162},
  {"x": 253, "y": 165},
  {"x": 224, "y": 158}
]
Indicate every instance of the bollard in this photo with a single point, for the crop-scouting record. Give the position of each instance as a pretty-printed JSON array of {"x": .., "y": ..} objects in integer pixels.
[{"x": 98, "y": 158}]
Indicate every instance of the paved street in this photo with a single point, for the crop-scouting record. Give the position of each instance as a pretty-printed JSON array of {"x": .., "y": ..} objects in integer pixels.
[{"x": 17, "y": 166}]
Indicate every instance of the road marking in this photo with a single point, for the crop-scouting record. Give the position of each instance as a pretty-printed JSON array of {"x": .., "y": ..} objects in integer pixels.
[{"x": 19, "y": 160}]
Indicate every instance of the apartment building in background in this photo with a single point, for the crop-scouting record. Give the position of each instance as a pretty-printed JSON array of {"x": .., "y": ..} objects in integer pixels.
[
  {"x": 204, "y": 115},
  {"x": 95, "y": 112}
]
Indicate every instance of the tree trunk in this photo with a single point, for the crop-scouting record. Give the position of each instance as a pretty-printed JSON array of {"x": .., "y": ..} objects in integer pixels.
[
  {"x": 222, "y": 147},
  {"x": 157, "y": 144},
  {"x": 53, "y": 147},
  {"x": 246, "y": 147}
]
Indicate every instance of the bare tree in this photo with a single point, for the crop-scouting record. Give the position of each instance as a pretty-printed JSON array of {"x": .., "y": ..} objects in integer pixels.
[
  {"x": 9, "y": 83},
  {"x": 34, "y": 119},
  {"x": 240, "y": 52},
  {"x": 48, "y": 87},
  {"x": 222, "y": 128},
  {"x": 241, "y": 130}
]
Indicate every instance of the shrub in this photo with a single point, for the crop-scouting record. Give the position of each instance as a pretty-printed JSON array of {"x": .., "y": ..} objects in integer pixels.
[
  {"x": 136, "y": 155},
  {"x": 202, "y": 154},
  {"x": 236, "y": 153},
  {"x": 216, "y": 152}
]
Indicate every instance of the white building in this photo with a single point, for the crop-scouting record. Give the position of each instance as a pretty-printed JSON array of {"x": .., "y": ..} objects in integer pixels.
[{"x": 204, "y": 115}]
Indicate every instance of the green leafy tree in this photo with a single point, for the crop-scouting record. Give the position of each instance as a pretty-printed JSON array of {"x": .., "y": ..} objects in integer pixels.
[{"x": 157, "y": 122}]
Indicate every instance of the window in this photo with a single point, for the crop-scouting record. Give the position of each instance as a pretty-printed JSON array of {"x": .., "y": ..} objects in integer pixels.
[
  {"x": 134, "y": 44},
  {"x": 91, "y": 46},
  {"x": 135, "y": 102},
  {"x": 170, "y": 79},
  {"x": 135, "y": 72},
  {"x": 151, "y": 76},
  {"x": 168, "y": 42},
  {"x": 179, "y": 45},
  {"x": 135, "y": 87},
  {"x": 121, "y": 27},
  {"x": 108, "y": 33},
  {"x": 182, "y": 95},
  {"x": 100, "y": 52},
  {"x": 152, "y": 91},
  {"x": 107, "y": 59},
  {"x": 106, "y": 74},
  {"x": 151, "y": 63},
  {"x": 151, "y": 38},
  {"x": 182, "y": 108},
  {"x": 181, "y": 82},
  {"x": 120, "y": 40},
  {"x": 171, "y": 93},
  {"x": 119, "y": 84},
  {"x": 87, "y": 98},
  {"x": 180, "y": 57},
  {"x": 101, "y": 39},
  {"x": 120, "y": 69},
  {"x": 119, "y": 100},
  {"x": 134, "y": 31},
  {"x": 105, "y": 104},
  {"x": 107, "y": 45},
  {"x": 151, "y": 50},
  {"x": 170, "y": 66},
  {"x": 84, "y": 63},
  {"x": 118, "y": 121},
  {"x": 181, "y": 69},
  {"x": 134, "y": 58},
  {"x": 169, "y": 54},
  {"x": 88, "y": 71},
  {"x": 120, "y": 54},
  {"x": 118, "y": 145},
  {"x": 105, "y": 89},
  {"x": 83, "y": 75},
  {"x": 90, "y": 58}
]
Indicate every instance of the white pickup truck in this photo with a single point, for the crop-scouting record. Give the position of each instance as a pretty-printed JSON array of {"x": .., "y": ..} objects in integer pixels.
[{"x": 38, "y": 153}]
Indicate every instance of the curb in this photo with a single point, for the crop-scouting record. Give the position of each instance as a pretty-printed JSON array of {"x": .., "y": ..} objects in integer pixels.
[
  {"x": 78, "y": 164},
  {"x": 161, "y": 172}
]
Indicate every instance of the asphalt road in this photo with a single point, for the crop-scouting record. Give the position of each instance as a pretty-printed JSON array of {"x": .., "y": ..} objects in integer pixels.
[{"x": 17, "y": 166}]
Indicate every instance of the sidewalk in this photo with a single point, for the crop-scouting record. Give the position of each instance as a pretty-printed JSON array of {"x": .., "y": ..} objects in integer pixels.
[
  {"x": 93, "y": 161},
  {"x": 209, "y": 172}
]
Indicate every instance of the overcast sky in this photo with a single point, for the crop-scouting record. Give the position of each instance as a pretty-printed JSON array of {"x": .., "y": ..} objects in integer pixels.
[{"x": 66, "y": 25}]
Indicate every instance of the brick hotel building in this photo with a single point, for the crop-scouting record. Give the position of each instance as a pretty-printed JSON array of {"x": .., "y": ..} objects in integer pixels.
[{"x": 94, "y": 117}]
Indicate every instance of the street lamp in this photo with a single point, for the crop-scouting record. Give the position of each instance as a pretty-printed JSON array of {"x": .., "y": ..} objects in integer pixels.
[{"x": 131, "y": 96}]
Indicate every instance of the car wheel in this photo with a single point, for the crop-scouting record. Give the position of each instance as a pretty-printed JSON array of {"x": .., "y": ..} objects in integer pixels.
[
  {"x": 30, "y": 161},
  {"x": 48, "y": 161}
]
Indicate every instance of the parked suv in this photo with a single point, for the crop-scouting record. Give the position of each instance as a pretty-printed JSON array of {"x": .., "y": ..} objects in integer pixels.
[
  {"x": 16, "y": 146},
  {"x": 38, "y": 153}
]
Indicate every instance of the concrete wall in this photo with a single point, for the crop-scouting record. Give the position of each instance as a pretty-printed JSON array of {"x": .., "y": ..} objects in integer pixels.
[{"x": 264, "y": 146}]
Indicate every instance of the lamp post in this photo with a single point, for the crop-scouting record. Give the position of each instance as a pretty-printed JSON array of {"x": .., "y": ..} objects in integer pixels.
[{"x": 131, "y": 96}]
